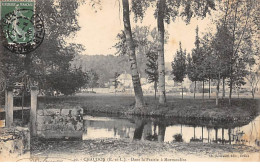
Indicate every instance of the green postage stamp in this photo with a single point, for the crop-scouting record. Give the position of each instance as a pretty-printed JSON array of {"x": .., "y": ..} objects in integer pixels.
[
  {"x": 17, "y": 21},
  {"x": 22, "y": 28}
]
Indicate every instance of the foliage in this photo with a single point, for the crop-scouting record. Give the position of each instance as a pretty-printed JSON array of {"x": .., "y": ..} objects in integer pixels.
[
  {"x": 253, "y": 78},
  {"x": 104, "y": 65},
  {"x": 174, "y": 8},
  {"x": 194, "y": 62},
  {"x": 145, "y": 40},
  {"x": 152, "y": 66},
  {"x": 239, "y": 20},
  {"x": 67, "y": 81},
  {"x": 178, "y": 137},
  {"x": 93, "y": 79},
  {"x": 179, "y": 65},
  {"x": 116, "y": 82},
  {"x": 54, "y": 54}
]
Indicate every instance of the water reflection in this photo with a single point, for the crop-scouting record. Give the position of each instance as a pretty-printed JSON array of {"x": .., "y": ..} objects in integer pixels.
[{"x": 169, "y": 131}]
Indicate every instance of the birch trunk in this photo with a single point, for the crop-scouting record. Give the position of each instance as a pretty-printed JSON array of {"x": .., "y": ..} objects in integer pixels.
[
  {"x": 161, "y": 66},
  {"x": 139, "y": 102}
]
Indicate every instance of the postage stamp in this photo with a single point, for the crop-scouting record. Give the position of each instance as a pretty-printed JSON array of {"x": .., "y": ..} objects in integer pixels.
[{"x": 22, "y": 28}]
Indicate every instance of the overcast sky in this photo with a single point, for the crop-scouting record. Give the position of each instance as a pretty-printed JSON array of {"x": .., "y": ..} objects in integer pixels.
[{"x": 99, "y": 29}]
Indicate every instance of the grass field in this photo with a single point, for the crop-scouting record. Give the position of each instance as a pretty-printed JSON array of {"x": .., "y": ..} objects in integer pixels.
[{"x": 241, "y": 109}]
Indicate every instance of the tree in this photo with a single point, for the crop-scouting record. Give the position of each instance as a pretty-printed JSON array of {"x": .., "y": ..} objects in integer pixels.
[
  {"x": 194, "y": 72},
  {"x": 222, "y": 47},
  {"x": 179, "y": 66},
  {"x": 239, "y": 75},
  {"x": 208, "y": 60},
  {"x": 253, "y": 78},
  {"x": 161, "y": 62},
  {"x": 139, "y": 101},
  {"x": 67, "y": 82},
  {"x": 152, "y": 69},
  {"x": 165, "y": 11},
  {"x": 116, "y": 82},
  {"x": 54, "y": 54},
  {"x": 239, "y": 20},
  {"x": 93, "y": 79},
  {"x": 145, "y": 40}
]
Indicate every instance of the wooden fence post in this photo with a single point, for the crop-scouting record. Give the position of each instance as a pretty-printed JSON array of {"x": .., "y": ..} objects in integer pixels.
[
  {"x": 33, "y": 111},
  {"x": 9, "y": 107}
]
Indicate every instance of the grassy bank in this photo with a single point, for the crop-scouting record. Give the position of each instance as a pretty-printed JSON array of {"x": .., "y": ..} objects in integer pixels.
[{"x": 241, "y": 109}]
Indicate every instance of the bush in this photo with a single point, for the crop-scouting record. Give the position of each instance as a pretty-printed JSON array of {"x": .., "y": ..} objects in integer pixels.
[
  {"x": 178, "y": 138},
  {"x": 67, "y": 81}
]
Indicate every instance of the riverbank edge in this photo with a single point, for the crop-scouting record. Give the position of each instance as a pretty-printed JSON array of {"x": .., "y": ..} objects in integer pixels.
[
  {"x": 199, "y": 109},
  {"x": 223, "y": 114}
]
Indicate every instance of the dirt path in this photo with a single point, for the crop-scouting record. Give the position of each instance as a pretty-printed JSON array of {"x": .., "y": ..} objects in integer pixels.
[{"x": 128, "y": 150}]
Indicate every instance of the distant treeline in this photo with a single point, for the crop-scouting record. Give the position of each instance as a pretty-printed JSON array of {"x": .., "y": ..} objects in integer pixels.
[{"x": 107, "y": 65}]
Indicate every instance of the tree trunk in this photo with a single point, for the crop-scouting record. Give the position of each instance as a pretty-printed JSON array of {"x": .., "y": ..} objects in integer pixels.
[
  {"x": 194, "y": 91},
  {"x": 161, "y": 132},
  {"x": 138, "y": 129},
  {"x": 253, "y": 93},
  {"x": 155, "y": 89},
  {"x": 203, "y": 89},
  {"x": 182, "y": 92},
  {"x": 139, "y": 101},
  {"x": 217, "y": 98},
  {"x": 223, "y": 91},
  {"x": 202, "y": 133},
  {"x": 230, "y": 90},
  {"x": 229, "y": 135},
  {"x": 194, "y": 135},
  {"x": 209, "y": 87},
  {"x": 232, "y": 55},
  {"x": 223, "y": 136},
  {"x": 161, "y": 66},
  {"x": 216, "y": 135}
]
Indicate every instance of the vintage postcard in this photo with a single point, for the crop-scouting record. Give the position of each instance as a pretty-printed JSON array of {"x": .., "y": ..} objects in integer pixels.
[{"x": 129, "y": 81}]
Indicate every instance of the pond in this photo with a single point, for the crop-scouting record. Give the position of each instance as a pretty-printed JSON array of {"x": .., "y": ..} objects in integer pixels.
[{"x": 180, "y": 130}]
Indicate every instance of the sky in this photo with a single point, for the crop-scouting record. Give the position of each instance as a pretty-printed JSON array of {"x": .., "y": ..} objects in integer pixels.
[{"x": 99, "y": 28}]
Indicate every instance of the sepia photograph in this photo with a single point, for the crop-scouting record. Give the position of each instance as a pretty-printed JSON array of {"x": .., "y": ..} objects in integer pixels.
[{"x": 129, "y": 81}]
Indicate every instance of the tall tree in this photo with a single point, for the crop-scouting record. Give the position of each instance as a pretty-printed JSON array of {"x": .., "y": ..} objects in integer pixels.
[
  {"x": 240, "y": 22},
  {"x": 145, "y": 41},
  {"x": 253, "y": 78},
  {"x": 207, "y": 64},
  {"x": 93, "y": 79},
  {"x": 116, "y": 82},
  {"x": 139, "y": 101},
  {"x": 196, "y": 59},
  {"x": 179, "y": 66},
  {"x": 239, "y": 75},
  {"x": 161, "y": 62},
  {"x": 191, "y": 72},
  {"x": 164, "y": 12},
  {"x": 221, "y": 44},
  {"x": 152, "y": 69}
]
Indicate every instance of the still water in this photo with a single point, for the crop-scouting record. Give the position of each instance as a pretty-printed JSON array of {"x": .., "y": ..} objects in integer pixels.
[{"x": 97, "y": 127}]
